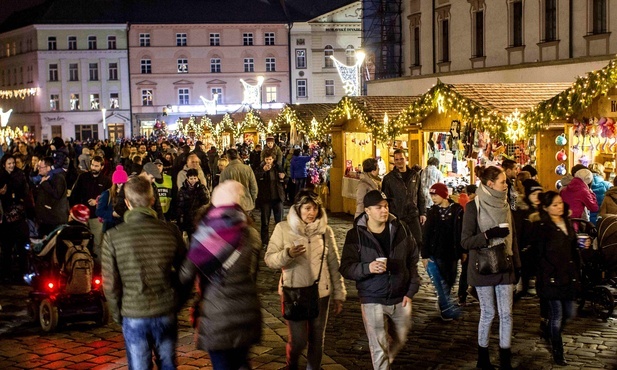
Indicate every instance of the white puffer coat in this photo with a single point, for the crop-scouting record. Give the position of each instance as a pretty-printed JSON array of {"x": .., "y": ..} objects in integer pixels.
[{"x": 303, "y": 270}]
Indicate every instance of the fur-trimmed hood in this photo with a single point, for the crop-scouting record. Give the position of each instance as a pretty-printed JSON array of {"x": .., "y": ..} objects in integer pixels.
[{"x": 306, "y": 230}]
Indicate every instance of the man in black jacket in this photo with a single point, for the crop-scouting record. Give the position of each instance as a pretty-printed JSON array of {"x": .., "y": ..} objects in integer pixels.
[
  {"x": 51, "y": 204},
  {"x": 382, "y": 257},
  {"x": 270, "y": 194},
  {"x": 403, "y": 188}
]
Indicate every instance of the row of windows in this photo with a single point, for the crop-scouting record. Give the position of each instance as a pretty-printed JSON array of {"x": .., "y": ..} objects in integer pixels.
[
  {"x": 52, "y": 43},
  {"x": 94, "y": 102},
  {"x": 93, "y": 72},
  {"x": 184, "y": 95},
  {"x": 214, "y": 38},
  {"x": 16, "y": 77},
  {"x": 215, "y": 65},
  {"x": 350, "y": 57},
  {"x": 302, "y": 89}
]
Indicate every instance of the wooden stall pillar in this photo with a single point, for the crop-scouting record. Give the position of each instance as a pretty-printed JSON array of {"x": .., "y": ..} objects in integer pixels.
[
  {"x": 545, "y": 157},
  {"x": 337, "y": 170}
]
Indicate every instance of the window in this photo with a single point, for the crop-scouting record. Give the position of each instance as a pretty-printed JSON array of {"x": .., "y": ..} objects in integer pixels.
[
  {"x": 2, "y": 77},
  {"x": 113, "y": 71},
  {"x": 72, "y": 42},
  {"x": 416, "y": 46},
  {"x": 350, "y": 55},
  {"x": 183, "y": 65},
  {"x": 183, "y": 96},
  {"x": 599, "y": 17},
  {"x": 146, "y": 66},
  {"x": 111, "y": 42},
  {"x": 73, "y": 72},
  {"x": 30, "y": 74},
  {"x": 86, "y": 132},
  {"x": 300, "y": 58},
  {"x": 301, "y": 88},
  {"x": 269, "y": 38},
  {"x": 249, "y": 65},
  {"x": 53, "y": 73},
  {"x": 8, "y": 49},
  {"x": 218, "y": 93},
  {"x": 215, "y": 65},
  {"x": 271, "y": 94},
  {"x": 54, "y": 102},
  {"x": 146, "y": 97},
  {"x": 91, "y": 42},
  {"x": 56, "y": 130},
  {"x": 74, "y": 102},
  {"x": 144, "y": 39},
  {"x": 247, "y": 39},
  {"x": 517, "y": 23},
  {"x": 114, "y": 101},
  {"x": 14, "y": 76},
  {"x": 51, "y": 43},
  {"x": 329, "y": 87},
  {"x": 94, "y": 101},
  {"x": 478, "y": 38},
  {"x": 180, "y": 39},
  {"x": 215, "y": 39},
  {"x": 93, "y": 69},
  {"x": 270, "y": 64},
  {"x": 445, "y": 40},
  {"x": 328, "y": 52}
]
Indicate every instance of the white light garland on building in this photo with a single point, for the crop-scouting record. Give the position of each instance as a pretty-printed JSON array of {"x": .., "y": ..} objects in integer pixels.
[
  {"x": 252, "y": 93},
  {"x": 20, "y": 93},
  {"x": 350, "y": 75}
]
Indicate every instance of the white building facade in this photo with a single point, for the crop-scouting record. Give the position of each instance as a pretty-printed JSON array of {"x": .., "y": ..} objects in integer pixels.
[
  {"x": 75, "y": 78},
  {"x": 501, "y": 41}
]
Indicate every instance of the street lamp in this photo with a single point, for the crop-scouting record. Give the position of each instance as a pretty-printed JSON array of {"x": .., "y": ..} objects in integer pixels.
[{"x": 103, "y": 110}]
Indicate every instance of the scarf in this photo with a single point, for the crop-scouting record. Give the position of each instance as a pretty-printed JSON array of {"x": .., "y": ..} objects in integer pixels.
[
  {"x": 493, "y": 209},
  {"x": 216, "y": 242}
]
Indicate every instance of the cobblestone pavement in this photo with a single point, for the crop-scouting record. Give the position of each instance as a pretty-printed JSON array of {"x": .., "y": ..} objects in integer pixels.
[{"x": 433, "y": 344}]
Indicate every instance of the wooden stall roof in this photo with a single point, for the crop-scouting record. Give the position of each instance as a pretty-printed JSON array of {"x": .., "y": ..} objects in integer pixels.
[
  {"x": 504, "y": 98},
  {"x": 376, "y": 106},
  {"x": 306, "y": 112}
]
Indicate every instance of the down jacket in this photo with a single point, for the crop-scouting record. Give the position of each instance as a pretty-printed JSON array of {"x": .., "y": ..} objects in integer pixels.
[
  {"x": 236, "y": 170},
  {"x": 361, "y": 248},
  {"x": 578, "y": 196},
  {"x": 302, "y": 270}
]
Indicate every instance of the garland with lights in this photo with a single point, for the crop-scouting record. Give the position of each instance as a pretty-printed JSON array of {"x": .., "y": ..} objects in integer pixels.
[
  {"x": 315, "y": 131},
  {"x": 270, "y": 128},
  {"x": 21, "y": 93},
  {"x": 348, "y": 108},
  {"x": 192, "y": 129},
  {"x": 253, "y": 119}
]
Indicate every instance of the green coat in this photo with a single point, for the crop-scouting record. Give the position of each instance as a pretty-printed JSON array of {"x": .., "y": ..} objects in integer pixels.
[{"x": 236, "y": 170}]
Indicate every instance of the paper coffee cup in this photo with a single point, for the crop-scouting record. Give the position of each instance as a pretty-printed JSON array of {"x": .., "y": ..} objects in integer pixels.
[
  {"x": 582, "y": 240},
  {"x": 504, "y": 225},
  {"x": 382, "y": 259}
]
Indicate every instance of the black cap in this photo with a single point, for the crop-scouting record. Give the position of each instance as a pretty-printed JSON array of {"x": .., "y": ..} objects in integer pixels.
[{"x": 374, "y": 197}]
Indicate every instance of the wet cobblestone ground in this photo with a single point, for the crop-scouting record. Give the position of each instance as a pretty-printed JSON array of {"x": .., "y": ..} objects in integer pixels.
[{"x": 433, "y": 344}]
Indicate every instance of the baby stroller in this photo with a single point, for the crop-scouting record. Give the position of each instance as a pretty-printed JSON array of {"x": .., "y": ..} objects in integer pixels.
[
  {"x": 61, "y": 276},
  {"x": 598, "y": 266}
]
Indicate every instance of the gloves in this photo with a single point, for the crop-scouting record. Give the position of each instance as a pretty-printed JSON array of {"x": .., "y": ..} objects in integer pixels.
[{"x": 497, "y": 232}]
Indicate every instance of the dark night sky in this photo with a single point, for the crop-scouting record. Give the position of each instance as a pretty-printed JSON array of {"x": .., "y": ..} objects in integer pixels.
[{"x": 9, "y": 6}]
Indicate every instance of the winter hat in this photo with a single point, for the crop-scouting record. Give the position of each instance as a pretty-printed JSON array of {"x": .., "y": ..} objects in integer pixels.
[
  {"x": 585, "y": 175},
  {"x": 577, "y": 168},
  {"x": 119, "y": 176},
  {"x": 80, "y": 213},
  {"x": 151, "y": 169},
  {"x": 439, "y": 189},
  {"x": 531, "y": 186},
  {"x": 529, "y": 168},
  {"x": 270, "y": 138}
]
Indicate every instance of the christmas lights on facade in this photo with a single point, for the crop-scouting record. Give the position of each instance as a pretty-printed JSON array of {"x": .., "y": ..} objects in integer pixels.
[
  {"x": 252, "y": 93},
  {"x": 351, "y": 75}
]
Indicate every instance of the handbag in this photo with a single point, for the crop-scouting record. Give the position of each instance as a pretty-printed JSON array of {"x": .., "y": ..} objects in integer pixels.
[
  {"x": 299, "y": 304},
  {"x": 492, "y": 260}
]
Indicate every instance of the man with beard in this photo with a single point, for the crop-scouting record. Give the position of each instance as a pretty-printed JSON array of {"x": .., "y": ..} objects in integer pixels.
[{"x": 86, "y": 190}]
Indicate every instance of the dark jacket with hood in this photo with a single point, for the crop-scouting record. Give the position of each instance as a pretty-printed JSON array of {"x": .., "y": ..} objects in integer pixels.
[
  {"x": 407, "y": 199},
  {"x": 190, "y": 199},
  {"x": 442, "y": 237},
  {"x": 361, "y": 248},
  {"x": 269, "y": 186}
]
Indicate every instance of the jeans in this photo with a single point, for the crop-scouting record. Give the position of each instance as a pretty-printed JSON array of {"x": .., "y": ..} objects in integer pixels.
[
  {"x": 273, "y": 206},
  {"x": 462, "y": 281},
  {"x": 311, "y": 332},
  {"x": 447, "y": 269},
  {"x": 144, "y": 335},
  {"x": 230, "y": 359},
  {"x": 559, "y": 313},
  {"x": 386, "y": 340},
  {"x": 488, "y": 295}
]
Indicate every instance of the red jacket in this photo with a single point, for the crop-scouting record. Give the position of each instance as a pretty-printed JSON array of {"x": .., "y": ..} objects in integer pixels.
[{"x": 578, "y": 196}]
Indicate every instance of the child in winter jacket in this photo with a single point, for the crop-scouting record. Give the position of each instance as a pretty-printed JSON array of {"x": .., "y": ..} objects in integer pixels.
[{"x": 191, "y": 196}]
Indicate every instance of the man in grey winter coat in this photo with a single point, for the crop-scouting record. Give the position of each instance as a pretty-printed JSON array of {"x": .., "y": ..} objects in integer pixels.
[{"x": 236, "y": 170}]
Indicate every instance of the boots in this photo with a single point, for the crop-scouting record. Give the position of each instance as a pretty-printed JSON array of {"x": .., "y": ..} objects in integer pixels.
[
  {"x": 484, "y": 361},
  {"x": 558, "y": 352},
  {"x": 505, "y": 357}
]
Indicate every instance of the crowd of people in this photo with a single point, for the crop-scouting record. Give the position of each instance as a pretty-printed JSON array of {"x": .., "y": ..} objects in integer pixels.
[{"x": 190, "y": 213}]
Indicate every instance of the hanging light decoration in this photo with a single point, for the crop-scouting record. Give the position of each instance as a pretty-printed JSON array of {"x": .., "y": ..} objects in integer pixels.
[{"x": 350, "y": 75}]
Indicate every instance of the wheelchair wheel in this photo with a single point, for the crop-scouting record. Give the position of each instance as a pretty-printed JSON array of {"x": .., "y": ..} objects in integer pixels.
[
  {"x": 104, "y": 319},
  {"x": 48, "y": 315},
  {"x": 603, "y": 302}
]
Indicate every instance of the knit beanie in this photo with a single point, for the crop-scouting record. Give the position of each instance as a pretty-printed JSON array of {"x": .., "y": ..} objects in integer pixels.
[
  {"x": 531, "y": 186},
  {"x": 119, "y": 176},
  {"x": 585, "y": 175},
  {"x": 439, "y": 189}
]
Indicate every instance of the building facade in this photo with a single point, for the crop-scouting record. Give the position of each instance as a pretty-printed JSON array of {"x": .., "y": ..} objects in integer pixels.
[
  {"x": 502, "y": 41},
  {"x": 69, "y": 81}
]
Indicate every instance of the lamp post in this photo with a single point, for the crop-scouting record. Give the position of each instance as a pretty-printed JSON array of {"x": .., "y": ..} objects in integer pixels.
[{"x": 103, "y": 111}]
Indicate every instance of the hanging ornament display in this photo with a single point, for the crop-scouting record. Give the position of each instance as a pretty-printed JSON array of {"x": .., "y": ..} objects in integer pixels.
[{"x": 561, "y": 140}]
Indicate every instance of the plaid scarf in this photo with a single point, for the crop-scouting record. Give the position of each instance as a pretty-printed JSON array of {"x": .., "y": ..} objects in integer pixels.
[{"x": 216, "y": 241}]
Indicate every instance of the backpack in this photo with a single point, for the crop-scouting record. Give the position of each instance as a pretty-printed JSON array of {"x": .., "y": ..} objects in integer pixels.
[{"x": 78, "y": 267}]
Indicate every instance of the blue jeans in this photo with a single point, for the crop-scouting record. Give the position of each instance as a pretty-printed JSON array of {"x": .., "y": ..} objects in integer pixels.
[
  {"x": 273, "y": 206},
  {"x": 230, "y": 359},
  {"x": 311, "y": 332},
  {"x": 559, "y": 313},
  {"x": 488, "y": 295},
  {"x": 142, "y": 336}
]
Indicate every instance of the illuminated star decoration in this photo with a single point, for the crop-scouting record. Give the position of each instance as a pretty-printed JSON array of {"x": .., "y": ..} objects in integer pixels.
[
  {"x": 350, "y": 75},
  {"x": 252, "y": 93},
  {"x": 210, "y": 104},
  {"x": 515, "y": 126},
  {"x": 4, "y": 117}
]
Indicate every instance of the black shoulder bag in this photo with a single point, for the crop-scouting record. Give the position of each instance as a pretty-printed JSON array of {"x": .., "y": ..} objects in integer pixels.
[{"x": 299, "y": 304}]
